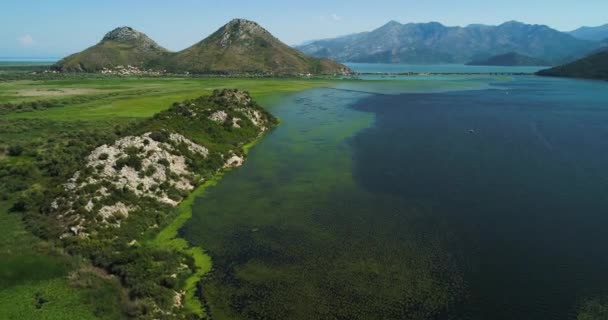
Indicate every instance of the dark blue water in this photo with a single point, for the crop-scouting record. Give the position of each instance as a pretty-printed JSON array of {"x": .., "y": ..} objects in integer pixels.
[{"x": 520, "y": 176}]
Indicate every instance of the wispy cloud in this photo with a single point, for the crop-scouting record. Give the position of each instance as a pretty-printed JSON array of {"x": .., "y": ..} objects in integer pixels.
[
  {"x": 335, "y": 17},
  {"x": 26, "y": 40},
  {"x": 332, "y": 17}
]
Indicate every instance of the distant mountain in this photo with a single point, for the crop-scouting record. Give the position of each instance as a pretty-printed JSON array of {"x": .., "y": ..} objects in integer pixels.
[
  {"x": 591, "y": 33},
  {"x": 435, "y": 43},
  {"x": 509, "y": 59},
  {"x": 240, "y": 46},
  {"x": 592, "y": 67},
  {"x": 121, "y": 46},
  {"x": 244, "y": 46}
]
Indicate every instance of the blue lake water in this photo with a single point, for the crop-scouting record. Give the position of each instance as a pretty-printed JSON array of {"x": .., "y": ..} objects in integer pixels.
[
  {"x": 23, "y": 61},
  {"x": 438, "y": 68},
  {"x": 445, "y": 198}
]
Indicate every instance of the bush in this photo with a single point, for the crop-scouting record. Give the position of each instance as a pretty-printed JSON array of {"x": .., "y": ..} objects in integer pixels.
[
  {"x": 159, "y": 136},
  {"x": 19, "y": 206},
  {"x": 150, "y": 171},
  {"x": 15, "y": 150},
  {"x": 132, "y": 161}
]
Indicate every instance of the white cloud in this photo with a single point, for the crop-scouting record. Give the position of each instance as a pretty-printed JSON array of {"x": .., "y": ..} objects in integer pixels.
[
  {"x": 332, "y": 17},
  {"x": 26, "y": 40}
]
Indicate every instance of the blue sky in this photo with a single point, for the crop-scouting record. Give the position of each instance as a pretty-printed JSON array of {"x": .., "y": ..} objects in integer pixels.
[{"x": 41, "y": 28}]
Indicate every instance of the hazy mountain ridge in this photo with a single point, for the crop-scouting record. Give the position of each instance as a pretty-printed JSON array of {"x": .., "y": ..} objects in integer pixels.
[
  {"x": 241, "y": 46},
  {"x": 435, "y": 43},
  {"x": 599, "y": 33}
]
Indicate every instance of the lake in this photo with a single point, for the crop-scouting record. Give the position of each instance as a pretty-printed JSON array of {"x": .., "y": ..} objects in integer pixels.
[
  {"x": 438, "y": 68},
  {"x": 9, "y": 62},
  {"x": 471, "y": 197}
]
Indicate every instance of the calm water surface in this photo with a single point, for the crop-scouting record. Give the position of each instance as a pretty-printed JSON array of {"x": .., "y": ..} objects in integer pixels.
[
  {"x": 469, "y": 198},
  {"x": 439, "y": 68}
]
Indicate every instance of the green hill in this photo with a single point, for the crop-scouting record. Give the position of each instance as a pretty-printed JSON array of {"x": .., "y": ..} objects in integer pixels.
[
  {"x": 509, "y": 59},
  {"x": 244, "y": 46},
  {"x": 592, "y": 67},
  {"x": 241, "y": 46},
  {"x": 120, "y": 47}
]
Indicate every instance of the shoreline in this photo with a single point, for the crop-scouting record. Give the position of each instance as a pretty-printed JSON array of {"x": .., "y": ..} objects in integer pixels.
[{"x": 169, "y": 238}]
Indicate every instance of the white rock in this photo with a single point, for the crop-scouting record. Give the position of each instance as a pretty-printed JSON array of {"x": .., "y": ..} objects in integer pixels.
[
  {"x": 234, "y": 161},
  {"x": 219, "y": 116}
]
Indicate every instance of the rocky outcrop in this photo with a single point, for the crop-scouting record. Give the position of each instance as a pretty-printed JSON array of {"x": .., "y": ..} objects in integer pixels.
[
  {"x": 156, "y": 168},
  {"x": 139, "y": 165}
]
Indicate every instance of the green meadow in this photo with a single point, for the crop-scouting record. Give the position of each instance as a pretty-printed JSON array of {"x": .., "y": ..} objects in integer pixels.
[
  {"x": 35, "y": 284},
  {"x": 132, "y": 97}
]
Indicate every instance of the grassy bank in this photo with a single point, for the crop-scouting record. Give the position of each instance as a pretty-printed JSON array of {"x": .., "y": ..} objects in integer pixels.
[{"x": 168, "y": 238}]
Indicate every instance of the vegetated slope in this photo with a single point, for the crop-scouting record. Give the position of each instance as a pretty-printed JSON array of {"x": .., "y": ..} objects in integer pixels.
[
  {"x": 509, "y": 59},
  {"x": 435, "y": 43},
  {"x": 127, "y": 189},
  {"x": 243, "y": 46},
  {"x": 120, "y": 47},
  {"x": 591, "y": 33},
  {"x": 592, "y": 67}
]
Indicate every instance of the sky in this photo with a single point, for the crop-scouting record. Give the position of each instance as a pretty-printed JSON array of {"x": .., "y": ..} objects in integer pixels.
[{"x": 55, "y": 28}]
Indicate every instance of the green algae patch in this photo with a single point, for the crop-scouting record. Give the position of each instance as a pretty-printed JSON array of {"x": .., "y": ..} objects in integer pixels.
[{"x": 168, "y": 238}]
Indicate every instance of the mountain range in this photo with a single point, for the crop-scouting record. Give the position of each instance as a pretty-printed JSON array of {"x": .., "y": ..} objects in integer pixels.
[
  {"x": 591, "y": 33},
  {"x": 240, "y": 46},
  {"x": 433, "y": 42}
]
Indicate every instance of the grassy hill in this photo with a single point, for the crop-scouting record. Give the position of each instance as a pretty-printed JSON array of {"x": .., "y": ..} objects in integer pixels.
[
  {"x": 509, "y": 59},
  {"x": 241, "y": 46},
  {"x": 592, "y": 67},
  {"x": 120, "y": 47},
  {"x": 244, "y": 46}
]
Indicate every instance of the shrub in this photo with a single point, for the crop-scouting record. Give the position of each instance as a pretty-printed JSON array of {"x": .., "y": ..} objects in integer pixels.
[
  {"x": 19, "y": 206},
  {"x": 150, "y": 171},
  {"x": 15, "y": 150},
  {"x": 159, "y": 136},
  {"x": 132, "y": 161}
]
